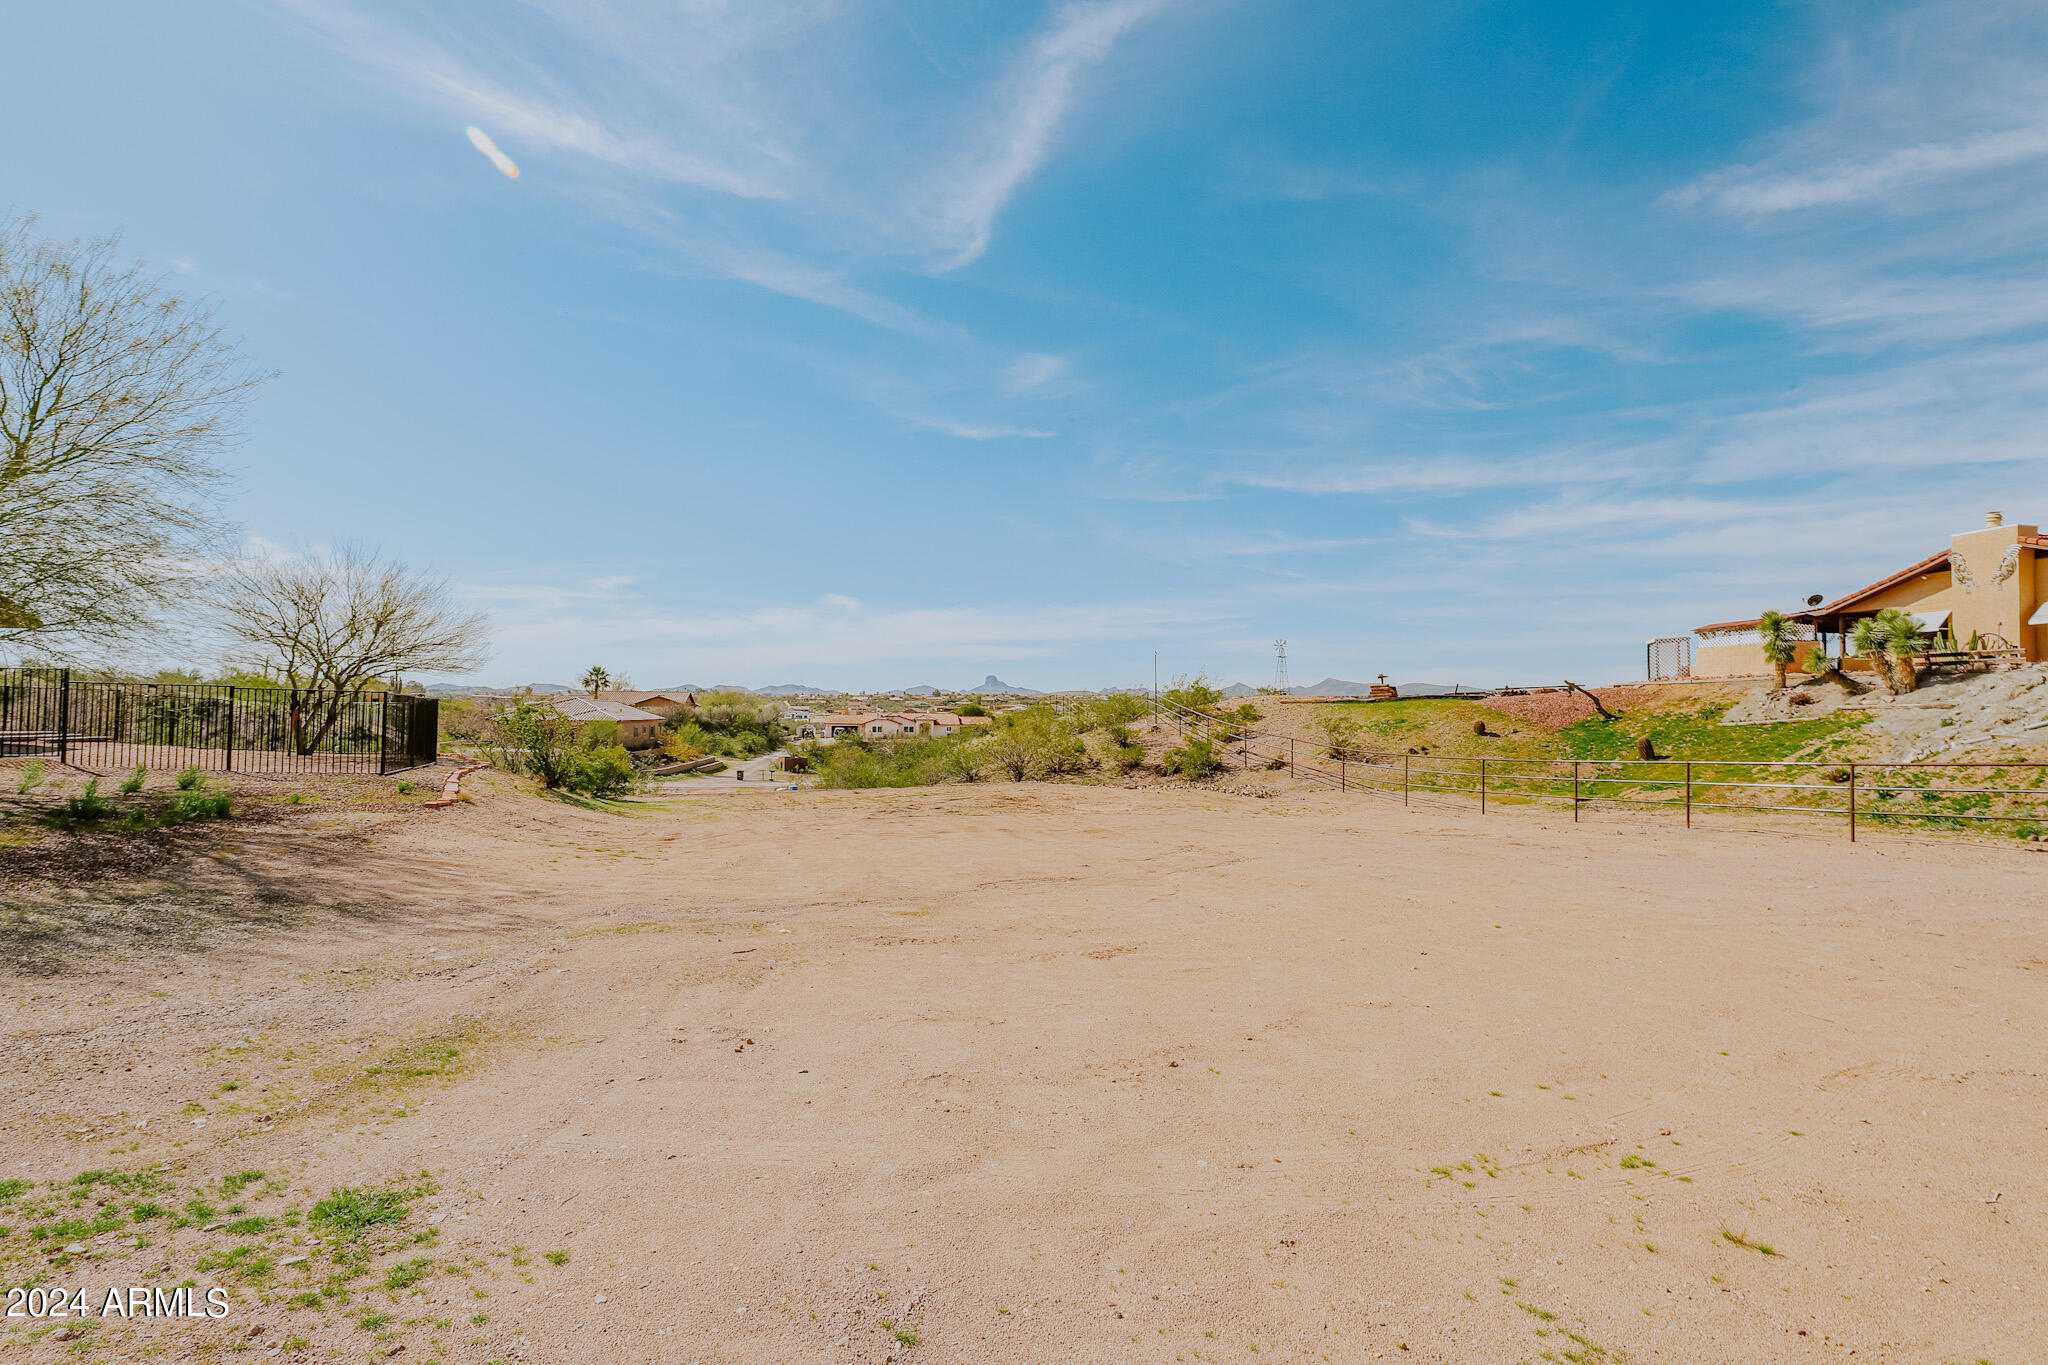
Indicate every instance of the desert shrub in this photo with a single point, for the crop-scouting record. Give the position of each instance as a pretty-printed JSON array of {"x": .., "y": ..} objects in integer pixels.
[
  {"x": 1338, "y": 732},
  {"x": 1124, "y": 757},
  {"x": 537, "y": 740},
  {"x": 1113, "y": 715},
  {"x": 970, "y": 708},
  {"x": 187, "y": 806},
  {"x": 88, "y": 805},
  {"x": 908, "y": 761},
  {"x": 32, "y": 774},
  {"x": 1193, "y": 694},
  {"x": 133, "y": 782},
  {"x": 735, "y": 724},
  {"x": 686, "y": 742},
  {"x": 601, "y": 770},
  {"x": 1034, "y": 744},
  {"x": 465, "y": 719},
  {"x": 192, "y": 778},
  {"x": 1196, "y": 758}
]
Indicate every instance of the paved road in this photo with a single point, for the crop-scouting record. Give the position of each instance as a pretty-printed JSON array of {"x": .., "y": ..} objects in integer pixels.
[{"x": 753, "y": 775}]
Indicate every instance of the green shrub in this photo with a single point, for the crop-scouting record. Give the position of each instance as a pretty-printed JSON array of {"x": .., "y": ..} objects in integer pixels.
[
  {"x": 1196, "y": 758},
  {"x": 606, "y": 771},
  {"x": 191, "y": 779},
  {"x": 187, "y": 806},
  {"x": 133, "y": 783},
  {"x": 909, "y": 761},
  {"x": 88, "y": 805},
  {"x": 1033, "y": 744},
  {"x": 1124, "y": 757},
  {"x": 32, "y": 774}
]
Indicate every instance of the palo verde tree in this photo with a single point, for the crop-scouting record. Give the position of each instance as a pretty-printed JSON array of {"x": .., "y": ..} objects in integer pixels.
[
  {"x": 116, "y": 397},
  {"x": 1779, "y": 635},
  {"x": 330, "y": 626}
]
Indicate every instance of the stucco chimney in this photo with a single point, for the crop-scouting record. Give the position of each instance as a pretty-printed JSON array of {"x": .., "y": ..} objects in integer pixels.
[{"x": 1994, "y": 519}]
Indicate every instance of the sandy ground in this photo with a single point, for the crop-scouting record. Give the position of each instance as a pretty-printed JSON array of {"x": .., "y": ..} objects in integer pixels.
[{"x": 1037, "y": 1073}]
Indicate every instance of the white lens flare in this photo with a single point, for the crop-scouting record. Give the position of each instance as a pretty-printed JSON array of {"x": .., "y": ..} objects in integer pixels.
[{"x": 481, "y": 140}]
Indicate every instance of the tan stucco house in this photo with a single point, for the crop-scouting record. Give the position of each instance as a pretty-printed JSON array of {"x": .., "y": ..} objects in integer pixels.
[
  {"x": 638, "y": 729},
  {"x": 1988, "y": 590},
  {"x": 661, "y": 703}
]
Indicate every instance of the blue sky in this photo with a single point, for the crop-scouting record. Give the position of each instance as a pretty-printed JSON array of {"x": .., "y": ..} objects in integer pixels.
[{"x": 905, "y": 341}]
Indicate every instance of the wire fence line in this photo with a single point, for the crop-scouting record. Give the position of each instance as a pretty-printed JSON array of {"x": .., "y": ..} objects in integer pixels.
[
  {"x": 2012, "y": 795},
  {"x": 115, "y": 726}
]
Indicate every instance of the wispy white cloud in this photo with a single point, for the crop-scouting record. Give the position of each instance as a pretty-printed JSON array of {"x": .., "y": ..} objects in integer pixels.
[
  {"x": 1039, "y": 94},
  {"x": 973, "y": 431}
]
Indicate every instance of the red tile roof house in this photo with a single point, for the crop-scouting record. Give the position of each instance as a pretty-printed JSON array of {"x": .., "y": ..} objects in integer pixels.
[
  {"x": 1988, "y": 590},
  {"x": 886, "y": 724},
  {"x": 638, "y": 729},
  {"x": 662, "y": 703}
]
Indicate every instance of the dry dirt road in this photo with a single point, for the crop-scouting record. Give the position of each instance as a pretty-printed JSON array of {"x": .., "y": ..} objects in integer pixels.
[{"x": 1049, "y": 1073}]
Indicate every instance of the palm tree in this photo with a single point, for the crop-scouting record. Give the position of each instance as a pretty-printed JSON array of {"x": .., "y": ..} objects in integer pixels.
[
  {"x": 1781, "y": 643},
  {"x": 595, "y": 679}
]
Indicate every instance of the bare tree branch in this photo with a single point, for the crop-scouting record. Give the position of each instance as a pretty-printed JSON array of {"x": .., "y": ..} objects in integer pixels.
[
  {"x": 115, "y": 397},
  {"x": 331, "y": 626}
]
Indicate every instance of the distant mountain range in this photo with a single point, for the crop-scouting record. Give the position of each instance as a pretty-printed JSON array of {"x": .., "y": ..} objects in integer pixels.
[{"x": 1328, "y": 687}]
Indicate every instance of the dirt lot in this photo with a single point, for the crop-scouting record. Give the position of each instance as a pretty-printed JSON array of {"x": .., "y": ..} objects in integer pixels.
[{"x": 1035, "y": 1073}]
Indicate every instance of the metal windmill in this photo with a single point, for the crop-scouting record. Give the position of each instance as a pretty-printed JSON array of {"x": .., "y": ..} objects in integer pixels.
[{"x": 1280, "y": 679}]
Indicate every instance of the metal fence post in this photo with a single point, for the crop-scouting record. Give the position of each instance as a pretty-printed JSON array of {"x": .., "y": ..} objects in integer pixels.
[
  {"x": 229, "y": 744},
  {"x": 1482, "y": 786},
  {"x": 1688, "y": 793},
  {"x": 1852, "y": 803},
  {"x": 64, "y": 718},
  {"x": 1343, "y": 783},
  {"x": 1290, "y": 758},
  {"x": 1575, "y": 791},
  {"x": 1405, "y": 758}
]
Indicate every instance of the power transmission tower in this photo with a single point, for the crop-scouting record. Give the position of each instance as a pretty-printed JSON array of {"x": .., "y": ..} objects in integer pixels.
[{"x": 1280, "y": 679}]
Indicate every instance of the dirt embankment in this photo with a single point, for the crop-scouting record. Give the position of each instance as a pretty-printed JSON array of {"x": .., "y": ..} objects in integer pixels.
[{"x": 1956, "y": 715}]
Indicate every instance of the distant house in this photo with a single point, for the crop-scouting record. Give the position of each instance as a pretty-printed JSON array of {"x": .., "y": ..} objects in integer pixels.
[
  {"x": 661, "y": 703},
  {"x": 885, "y": 724},
  {"x": 1988, "y": 592},
  {"x": 638, "y": 729}
]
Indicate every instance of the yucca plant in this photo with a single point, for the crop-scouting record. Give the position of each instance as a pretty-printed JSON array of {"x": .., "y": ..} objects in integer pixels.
[
  {"x": 1781, "y": 643},
  {"x": 1890, "y": 639}
]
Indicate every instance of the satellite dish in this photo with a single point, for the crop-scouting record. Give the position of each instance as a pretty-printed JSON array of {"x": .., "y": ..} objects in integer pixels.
[{"x": 1814, "y": 600}]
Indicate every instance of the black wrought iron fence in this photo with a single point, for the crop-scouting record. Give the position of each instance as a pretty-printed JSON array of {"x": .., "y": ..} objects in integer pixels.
[{"x": 113, "y": 726}]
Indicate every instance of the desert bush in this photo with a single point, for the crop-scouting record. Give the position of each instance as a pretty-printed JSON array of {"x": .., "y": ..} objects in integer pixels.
[
  {"x": 909, "y": 761},
  {"x": 32, "y": 774},
  {"x": 88, "y": 805},
  {"x": 187, "y": 806},
  {"x": 133, "y": 782},
  {"x": 1196, "y": 758},
  {"x": 686, "y": 743},
  {"x": 602, "y": 770},
  {"x": 1034, "y": 744},
  {"x": 1193, "y": 694},
  {"x": 1338, "y": 733},
  {"x": 1113, "y": 715},
  {"x": 1124, "y": 757},
  {"x": 192, "y": 778},
  {"x": 735, "y": 724}
]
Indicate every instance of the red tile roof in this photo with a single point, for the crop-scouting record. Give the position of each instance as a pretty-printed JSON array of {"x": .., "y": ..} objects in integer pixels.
[{"x": 1937, "y": 560}]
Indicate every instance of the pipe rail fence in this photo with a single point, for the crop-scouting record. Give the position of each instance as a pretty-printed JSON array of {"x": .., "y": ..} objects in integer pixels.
[
  {"x": 1956, "y": 795},
  {"x": 114, "y": 726}
]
